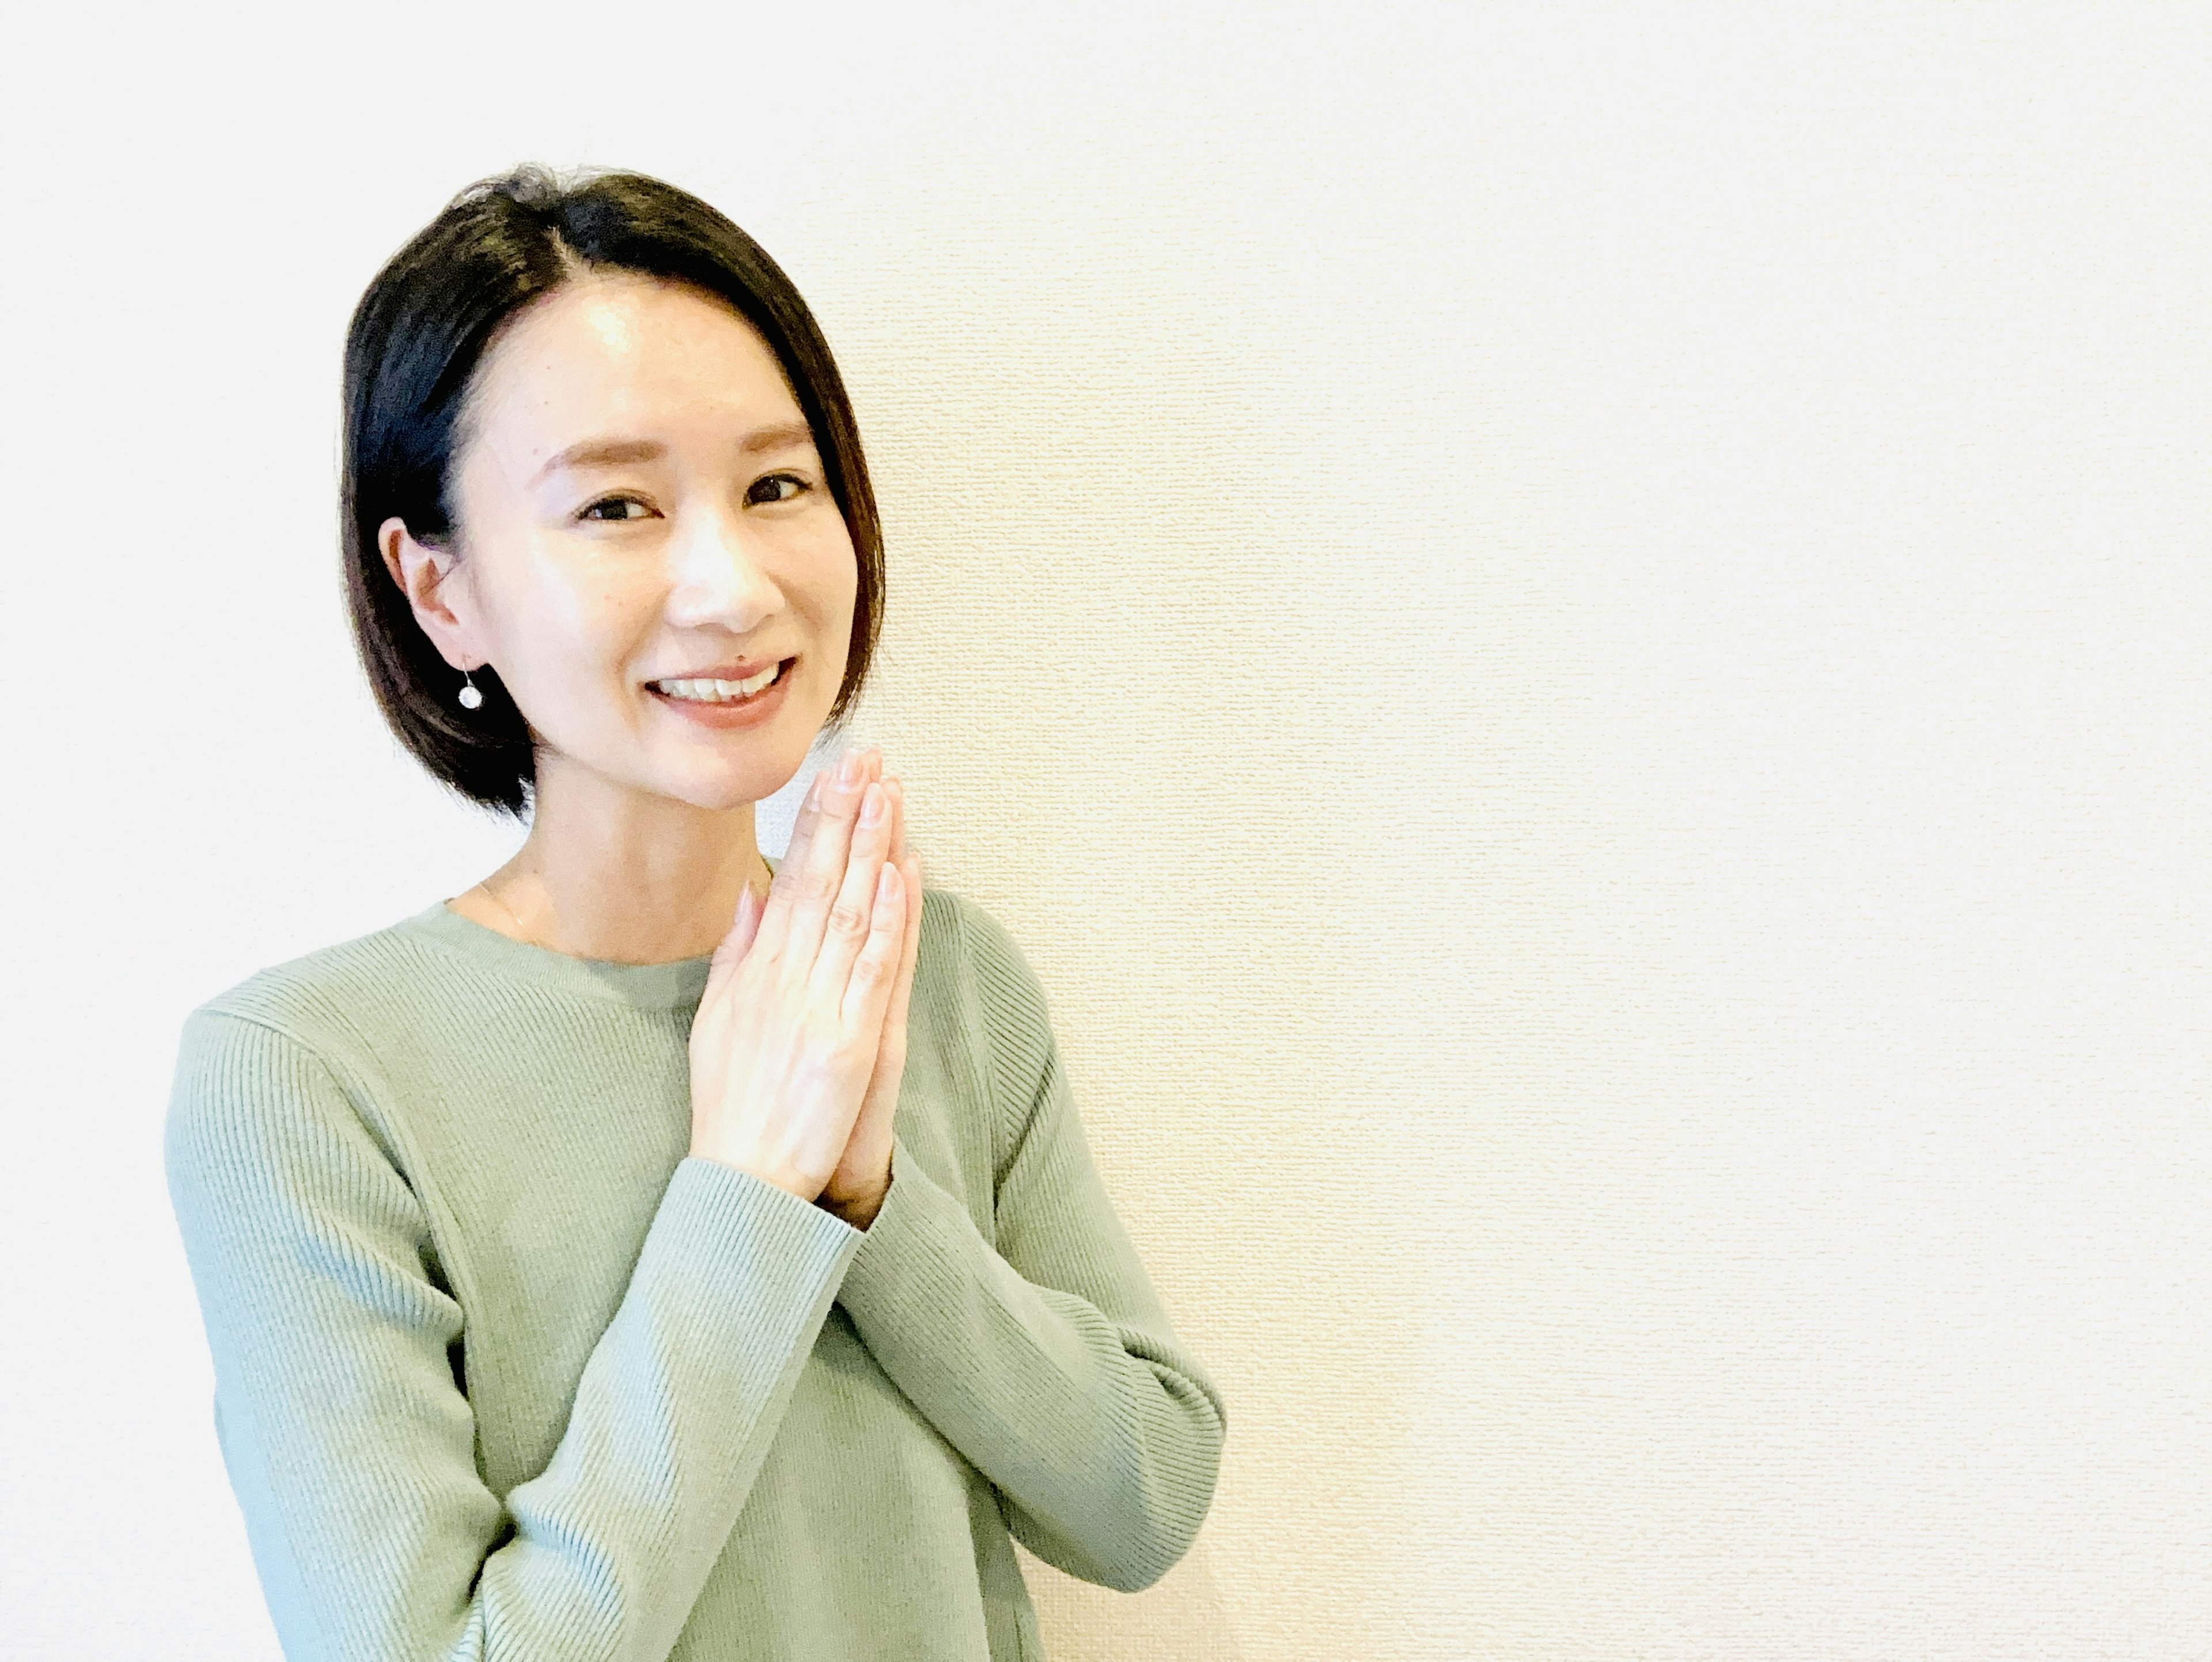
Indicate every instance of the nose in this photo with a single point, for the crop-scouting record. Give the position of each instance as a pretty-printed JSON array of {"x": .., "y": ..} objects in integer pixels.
[{"x": 717, "y": 576}]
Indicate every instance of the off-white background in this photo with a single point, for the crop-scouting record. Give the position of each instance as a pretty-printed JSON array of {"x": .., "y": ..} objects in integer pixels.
[{"x": 1575, "y": 638}]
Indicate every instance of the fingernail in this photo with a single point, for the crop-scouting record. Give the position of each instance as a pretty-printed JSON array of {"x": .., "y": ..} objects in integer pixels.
[
  {"x": 871, "y": 806},
  {"x": 848, "y": 771}
]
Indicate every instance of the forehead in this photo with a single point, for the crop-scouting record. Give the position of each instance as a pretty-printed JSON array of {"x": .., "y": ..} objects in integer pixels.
[{"x": 617, "y": 352}]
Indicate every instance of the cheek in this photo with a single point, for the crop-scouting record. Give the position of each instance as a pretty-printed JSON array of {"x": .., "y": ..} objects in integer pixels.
[
  {"x": 584, "y": 626},
  {"x": 837, "y": 568}
]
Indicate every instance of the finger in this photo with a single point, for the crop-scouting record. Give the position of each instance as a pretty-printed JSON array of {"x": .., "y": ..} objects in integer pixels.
[
  {"x": 798, "y": 918},
  {"x": 891, "y": 1050},
  {"x": 902, "y": 995},
  {"x": 897, "y": 787},
  {"x": 771, "y": 925},
  {"x": 868, "y": 990},
  {"x": 851, "y": 917},
  {"x": 738, "y": 942}
]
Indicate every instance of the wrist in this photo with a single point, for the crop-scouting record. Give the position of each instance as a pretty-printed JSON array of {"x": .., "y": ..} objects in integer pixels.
[
  {"x": 790, "y": 1182},
  {"x": 858, "y": 1210}
]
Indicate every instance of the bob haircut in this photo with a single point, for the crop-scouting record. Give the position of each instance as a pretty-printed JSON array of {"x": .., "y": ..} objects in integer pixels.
[{"x": 411, "y": 353}]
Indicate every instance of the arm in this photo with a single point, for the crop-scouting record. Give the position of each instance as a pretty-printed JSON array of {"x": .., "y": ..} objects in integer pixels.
[
  {"x": 350, "y": 1446},
  {"x": 1047, "y": 1360}
]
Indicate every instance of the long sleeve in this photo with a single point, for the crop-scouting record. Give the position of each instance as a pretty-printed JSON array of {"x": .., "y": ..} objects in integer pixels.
[
  {"x": 1047, "y": 1360},
  {"x": 349, "y": 1442}
]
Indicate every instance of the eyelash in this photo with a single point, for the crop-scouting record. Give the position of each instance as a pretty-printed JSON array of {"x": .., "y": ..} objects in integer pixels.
[
  {"x": 588, "y": 512},
  {"x": 768, "y": 478}
]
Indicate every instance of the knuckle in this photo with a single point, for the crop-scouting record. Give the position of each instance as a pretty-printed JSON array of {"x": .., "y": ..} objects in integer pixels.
[
  {"x": 846, "y": 919},
  {"x": 815, "y": 886}
]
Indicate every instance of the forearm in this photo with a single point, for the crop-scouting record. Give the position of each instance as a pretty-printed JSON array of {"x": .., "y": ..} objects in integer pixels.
[
  {"x": 349, "y": 1449},
  {"x": 1102, "y": 1433},
  {"x": 674, "y": 1413},
  {"x": 350, "y": 1444}
]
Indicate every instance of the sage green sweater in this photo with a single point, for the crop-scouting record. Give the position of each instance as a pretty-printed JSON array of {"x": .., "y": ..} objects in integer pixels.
[{"x": 502, "y": 1372}]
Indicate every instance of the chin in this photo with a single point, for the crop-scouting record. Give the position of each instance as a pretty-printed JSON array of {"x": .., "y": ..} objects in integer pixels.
[{"x": 720, "y": 785}]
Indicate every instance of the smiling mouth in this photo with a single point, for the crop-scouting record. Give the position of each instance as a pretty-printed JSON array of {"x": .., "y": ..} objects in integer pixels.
[{"x": 702, "y": 690}]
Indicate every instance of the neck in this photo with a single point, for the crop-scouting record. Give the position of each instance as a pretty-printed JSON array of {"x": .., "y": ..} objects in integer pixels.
[{"x": 629, "y": 878}]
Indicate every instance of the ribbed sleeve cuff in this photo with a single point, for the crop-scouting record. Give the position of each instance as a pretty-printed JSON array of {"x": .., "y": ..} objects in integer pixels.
[
  {"x": 757, "y": 1266},
  {"x": 911, "y": 1258}
]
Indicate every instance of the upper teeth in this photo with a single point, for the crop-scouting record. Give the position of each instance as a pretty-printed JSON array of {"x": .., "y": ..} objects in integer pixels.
[{"x": 715, "y": 692}]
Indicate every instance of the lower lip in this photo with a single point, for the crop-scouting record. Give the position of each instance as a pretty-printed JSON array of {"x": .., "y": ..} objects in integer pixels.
[{"x": 744, "y": 713}]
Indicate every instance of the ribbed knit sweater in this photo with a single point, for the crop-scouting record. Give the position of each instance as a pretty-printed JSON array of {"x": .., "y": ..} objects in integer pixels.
[{"x": 501, "y": 1371}]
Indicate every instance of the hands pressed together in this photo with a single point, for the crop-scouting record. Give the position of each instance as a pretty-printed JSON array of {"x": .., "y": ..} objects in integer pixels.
[{"x": 799, "y": 1041}]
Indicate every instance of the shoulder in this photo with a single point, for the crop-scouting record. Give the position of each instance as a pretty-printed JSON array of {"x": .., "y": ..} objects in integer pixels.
[
  {"x": 332, "y": 1000},
  {"x": 988, "y": 960},
  {"x": 289, "y": 1051},
  {"x": 1002, "y": 1002}
]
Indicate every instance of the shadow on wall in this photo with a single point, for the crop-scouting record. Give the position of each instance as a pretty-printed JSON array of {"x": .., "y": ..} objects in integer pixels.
[{"x": 1179, "y": 1618}]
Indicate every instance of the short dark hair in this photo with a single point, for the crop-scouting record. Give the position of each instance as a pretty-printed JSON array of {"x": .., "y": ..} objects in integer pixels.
[{"x": 412, "y": 351}]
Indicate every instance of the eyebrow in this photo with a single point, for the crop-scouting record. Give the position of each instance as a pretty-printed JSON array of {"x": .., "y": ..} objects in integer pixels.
[{"x": 615, "y": 452}]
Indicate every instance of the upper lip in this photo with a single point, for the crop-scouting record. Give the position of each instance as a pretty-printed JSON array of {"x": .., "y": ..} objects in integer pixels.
[{"x": 742, "y": 671}]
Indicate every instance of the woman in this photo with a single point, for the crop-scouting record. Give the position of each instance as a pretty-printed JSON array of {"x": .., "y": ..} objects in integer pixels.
[{"x": 587, "y": 1274}]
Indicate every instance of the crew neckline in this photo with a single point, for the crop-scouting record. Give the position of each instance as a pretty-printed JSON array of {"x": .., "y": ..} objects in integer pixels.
[{"x": 660, "y": 986}]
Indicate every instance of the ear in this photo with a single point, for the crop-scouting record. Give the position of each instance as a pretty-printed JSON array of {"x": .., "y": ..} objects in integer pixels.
[{"x": 421, "y": 570}]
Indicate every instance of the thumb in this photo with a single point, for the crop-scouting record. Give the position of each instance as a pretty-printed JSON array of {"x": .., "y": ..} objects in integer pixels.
[{"x": 738, "y": 942}]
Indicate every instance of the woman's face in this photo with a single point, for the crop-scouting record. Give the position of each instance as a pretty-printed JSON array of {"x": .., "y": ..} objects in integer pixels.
[{"x": 638, "y": 499}]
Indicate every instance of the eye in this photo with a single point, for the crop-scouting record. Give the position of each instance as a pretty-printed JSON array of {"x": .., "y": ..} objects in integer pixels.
[
  {"x": 770, "y": 488},
  {"x": 619, "y": 508}
]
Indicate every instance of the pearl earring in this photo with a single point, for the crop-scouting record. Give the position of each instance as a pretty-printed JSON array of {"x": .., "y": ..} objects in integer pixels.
[{"x": 470, "y": 697}]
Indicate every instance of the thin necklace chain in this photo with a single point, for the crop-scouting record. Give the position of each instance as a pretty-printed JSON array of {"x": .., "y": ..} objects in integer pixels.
[{"x": 522, "y": 933}]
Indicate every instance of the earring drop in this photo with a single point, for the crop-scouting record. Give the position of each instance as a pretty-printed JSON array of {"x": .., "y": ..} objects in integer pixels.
[{"x": 471, "y": 698}]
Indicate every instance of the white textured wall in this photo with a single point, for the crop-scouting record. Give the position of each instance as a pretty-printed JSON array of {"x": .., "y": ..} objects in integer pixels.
[{"x": 1577, "y": 639}]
